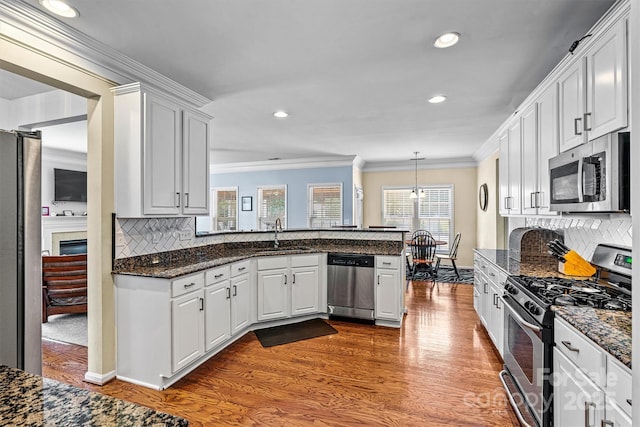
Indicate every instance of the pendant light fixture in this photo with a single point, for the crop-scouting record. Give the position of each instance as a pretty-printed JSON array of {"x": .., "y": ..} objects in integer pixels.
[{"x": 415, "y": 193}]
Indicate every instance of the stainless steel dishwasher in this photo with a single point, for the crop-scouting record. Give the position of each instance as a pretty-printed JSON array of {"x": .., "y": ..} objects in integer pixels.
[{"x": 351, "y": 285}]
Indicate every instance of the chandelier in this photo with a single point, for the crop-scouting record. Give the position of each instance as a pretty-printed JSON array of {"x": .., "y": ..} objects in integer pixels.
[{"x": 415, "y": 193}]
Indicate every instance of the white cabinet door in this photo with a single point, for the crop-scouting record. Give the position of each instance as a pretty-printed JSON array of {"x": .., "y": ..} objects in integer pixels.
[
  {"x": 615, "y": 417},
  {"x": 515, "y": 169},
  {"x": 387, "y": 295},
  {"x": 304, "y": 290},
  {"x": 497, "y": 317},
  {"x": 217, "y": 306},
  {"x": 187, "y": 329},
  {"x": 529, "y": 123},
  {"x": 571, "y": 85},
  {"x": 547, "y": 144},
  {"x": 273, "y": 295},
  {"x": 240, "y": 302},
  {"x": 195, "y": 163},
  {"x": 503, "y": 172},
  {"x": 162, "y": 156},
  {"x": 607, "y": 82},
  {"x": 485, "y": 298},
  {"x": 577, "y": 400}
]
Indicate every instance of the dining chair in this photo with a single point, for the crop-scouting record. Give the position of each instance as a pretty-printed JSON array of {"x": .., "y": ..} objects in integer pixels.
[
  {"x": 451, "y": 256},
  {"x": 423, "y": 249}
]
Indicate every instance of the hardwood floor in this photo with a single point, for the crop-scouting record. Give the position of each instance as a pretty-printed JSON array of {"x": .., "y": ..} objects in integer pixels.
[{"x": 439, "y": 369}]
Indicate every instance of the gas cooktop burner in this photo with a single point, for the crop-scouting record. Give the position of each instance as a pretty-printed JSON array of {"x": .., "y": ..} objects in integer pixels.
[{"x": 560, "y": 291}]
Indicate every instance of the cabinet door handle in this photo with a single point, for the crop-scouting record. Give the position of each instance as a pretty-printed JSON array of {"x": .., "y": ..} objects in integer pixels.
[
  {"x": 386, "y": 263},
  {"x": 217, "y": 276},
  {"x": 242, "y": 268},
  {"x": 378, "y": 279},
  {"x": 235, "y": 290},
  {"x": 629, "y": 402},
  {"x": 186, "y": 200},
  {"x": 495, "y": 297},
  {"x": 570, "y": 347},
  {"x": 228, "y": 293},
  {"x": 531, "y": 199},
  {"x": 498, "y": 302},
  {"x": 294, "y": 279},
  {"x": 492, "y": 274},
  {"x": 285, "y": 279},
  {"x": 586, "y": 126},
  {"x": 575, "y": 126},
  {"x": 587, "y": 413},
  {"x": 201, "y": 304},
  {"x": 604, "y": 423},
  {"x": 177, "y": 200},
  {"x": 188, "y": 285},
  {"x": 485, "y": 288}
]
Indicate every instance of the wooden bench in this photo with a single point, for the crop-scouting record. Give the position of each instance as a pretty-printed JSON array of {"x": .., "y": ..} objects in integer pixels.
[{"x": 64, "y": 285}]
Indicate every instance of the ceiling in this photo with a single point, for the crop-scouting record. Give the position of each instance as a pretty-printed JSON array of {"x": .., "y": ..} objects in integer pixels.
[{"x": 354, "y": 75}]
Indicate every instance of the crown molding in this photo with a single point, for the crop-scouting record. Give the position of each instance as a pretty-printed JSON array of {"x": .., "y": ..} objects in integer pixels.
[
  {"x": 285, "y": 164},
  {"x": 34, "y": 28},
  {"x": 428, "y": 164}
]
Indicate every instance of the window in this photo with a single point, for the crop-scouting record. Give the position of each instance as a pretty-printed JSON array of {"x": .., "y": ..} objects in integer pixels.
[
  {"x": 397, "y": 207},
  {"x": 436, "y": 213},
  {"x": 224, "y": 212},
  {"x": 433, "y": 213},
  {"x": 272, "y": 204},
  {"x": 325, "y": 205}
]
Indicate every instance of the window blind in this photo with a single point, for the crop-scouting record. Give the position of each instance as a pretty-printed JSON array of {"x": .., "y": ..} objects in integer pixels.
[
  {"x": 271, "y": 205},
  {"x": 398, "y": 207},
  {"x": 225, "y": 208},
  {"x": 436, "y": 213},
  {"x": 325, "y": 205}
]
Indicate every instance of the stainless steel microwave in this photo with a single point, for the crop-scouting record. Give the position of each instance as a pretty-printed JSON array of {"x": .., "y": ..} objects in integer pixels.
[{"x": 593, "y": 177}]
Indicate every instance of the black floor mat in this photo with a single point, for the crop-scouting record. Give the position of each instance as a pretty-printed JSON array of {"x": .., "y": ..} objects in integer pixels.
[{"x": 285, "y": 334}]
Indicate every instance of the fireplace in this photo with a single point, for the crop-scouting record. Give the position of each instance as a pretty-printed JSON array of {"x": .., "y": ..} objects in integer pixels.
[{"x": 73, "y": 247}]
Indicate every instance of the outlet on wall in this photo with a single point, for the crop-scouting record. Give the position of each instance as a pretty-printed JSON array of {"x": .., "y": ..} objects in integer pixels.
[{"x": 184, "y": 234}]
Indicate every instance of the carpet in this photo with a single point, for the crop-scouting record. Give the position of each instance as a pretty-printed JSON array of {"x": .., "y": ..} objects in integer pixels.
[
  {"x": 69, "y": 328},
  {"x": 285, "y": 334},
  {"x": 447, "y": 275}
]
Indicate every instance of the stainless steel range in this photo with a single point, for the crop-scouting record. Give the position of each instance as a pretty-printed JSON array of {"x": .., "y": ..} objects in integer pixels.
[{"x": 528, "y": 338}]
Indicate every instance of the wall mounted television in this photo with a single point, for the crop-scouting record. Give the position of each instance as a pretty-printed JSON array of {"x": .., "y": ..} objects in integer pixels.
[{"x": 70, "y": 186}]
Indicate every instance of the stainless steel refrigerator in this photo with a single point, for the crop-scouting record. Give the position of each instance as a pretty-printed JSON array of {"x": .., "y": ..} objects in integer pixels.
[{"x": 20, "y": 250}]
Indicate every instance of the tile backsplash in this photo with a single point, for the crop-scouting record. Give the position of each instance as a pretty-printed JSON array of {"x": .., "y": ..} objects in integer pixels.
[
  {"x": 583, "y": 234},
  {"x": 142, "y": 236}
]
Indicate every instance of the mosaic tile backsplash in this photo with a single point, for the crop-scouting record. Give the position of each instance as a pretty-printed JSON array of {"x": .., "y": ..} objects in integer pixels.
[
  {"x": 583, "y": 234},
  {"x": 142, "y": 236}
]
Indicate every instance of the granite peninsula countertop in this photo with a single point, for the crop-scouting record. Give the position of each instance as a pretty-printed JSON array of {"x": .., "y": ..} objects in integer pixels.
[
  {"x": 609, "y": 329},
  {"x": 31, "y": 400},
  {"x": 172, "y": 264}
]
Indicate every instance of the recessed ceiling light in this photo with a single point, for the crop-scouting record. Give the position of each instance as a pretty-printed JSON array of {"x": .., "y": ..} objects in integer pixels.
[
  {"x": 60, "y": 8},
  {"x": 446, "y": 40},
  {"x": 437, "y": 99},
  {"x": 281, "y": 114}
]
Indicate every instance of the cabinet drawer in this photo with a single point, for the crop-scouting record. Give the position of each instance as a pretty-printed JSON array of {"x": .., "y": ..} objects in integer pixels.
[
  {"x": 187, "y": 284},
  {"x": 271, "y": 262},
  {"x": 492, "y": 274},
  {"x": 304, "y": 260},
  {"x": 588, "y": 357},
  {"x": 217, "y": 275},
  {"x": 240, "y": 268},
  {"x": 619, "y": 384},
  {"x": 391, "y": 262}
]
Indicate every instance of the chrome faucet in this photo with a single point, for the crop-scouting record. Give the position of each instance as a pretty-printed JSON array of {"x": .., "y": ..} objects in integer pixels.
[{"x": 276, "y": 227}]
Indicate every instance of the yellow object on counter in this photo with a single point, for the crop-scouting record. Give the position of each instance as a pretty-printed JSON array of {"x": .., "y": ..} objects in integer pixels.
[{"x": 575, "y": 265}]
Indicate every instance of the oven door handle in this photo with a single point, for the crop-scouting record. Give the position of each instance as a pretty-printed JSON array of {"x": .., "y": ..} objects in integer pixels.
[
  {"x": 515, "y": 407},
  {"x": 520, "y": 319}
]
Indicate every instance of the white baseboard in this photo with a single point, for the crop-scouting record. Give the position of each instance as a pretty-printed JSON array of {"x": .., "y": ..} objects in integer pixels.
[{"x": 99, "y": 379}]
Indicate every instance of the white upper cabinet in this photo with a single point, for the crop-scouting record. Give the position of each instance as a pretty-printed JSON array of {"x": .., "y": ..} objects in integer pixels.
[
  {"x": 607, "y": 82},
  {"x": 529, "y": 125},
  {"x": 510, "y": 169},
  {"x": 593, "y": 91},
  {"x": 161, "y": 155},
  {"x": 547, "y": 145}
]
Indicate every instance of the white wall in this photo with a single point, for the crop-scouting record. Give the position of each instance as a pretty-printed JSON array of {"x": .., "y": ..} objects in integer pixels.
[
  {"x": 5, "y": 108},
  {"x": 47, "y": 107}
]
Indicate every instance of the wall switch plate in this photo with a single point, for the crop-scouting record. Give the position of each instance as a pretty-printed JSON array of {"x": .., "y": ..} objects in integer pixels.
[{"x": 185, "y": 234}]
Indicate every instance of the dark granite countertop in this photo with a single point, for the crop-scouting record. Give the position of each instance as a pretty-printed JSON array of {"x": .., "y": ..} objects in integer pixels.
[
  {"x": 169, "y": 265},
  {"x": 609, "y": 329},
  {"x": 30, "y": 400},
  {"x": 500, "y": 258}
]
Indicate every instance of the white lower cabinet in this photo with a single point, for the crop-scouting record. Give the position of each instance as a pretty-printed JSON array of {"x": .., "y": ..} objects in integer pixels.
[
  {"x": 590, "y": 386},
  {"x": 389, "y": 293},
  {"x": 241, "y": 312},
  {"x": 187, "y": 329},
  {"x": 288, "y": 286},
  {"x": 489, "y": 281}
]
